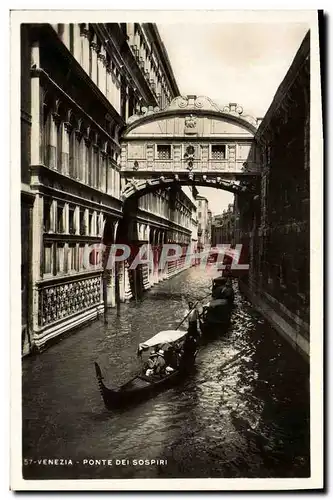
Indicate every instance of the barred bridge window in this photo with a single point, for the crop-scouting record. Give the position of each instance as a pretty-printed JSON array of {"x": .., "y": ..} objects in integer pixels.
[
  {"x": 164, "y": 152},
  {"x": 218, "y": 152}
]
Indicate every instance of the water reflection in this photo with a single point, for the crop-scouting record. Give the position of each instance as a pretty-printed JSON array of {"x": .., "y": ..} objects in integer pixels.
[{"x": 243, "y": 412}]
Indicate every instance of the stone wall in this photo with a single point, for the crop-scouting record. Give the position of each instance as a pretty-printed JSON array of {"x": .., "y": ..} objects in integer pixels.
[{"x": 276, "y": 227}]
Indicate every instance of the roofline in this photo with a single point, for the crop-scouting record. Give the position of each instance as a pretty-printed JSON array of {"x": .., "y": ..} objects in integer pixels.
[{"x": 152, "y": 27}]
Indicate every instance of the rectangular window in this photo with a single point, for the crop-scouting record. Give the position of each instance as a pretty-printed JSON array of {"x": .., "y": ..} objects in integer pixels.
[
  {"x": 82, "y": 222},
  {"x": 71, "y": 225},
  {"x": 48, "y": 260},
  {"x": 81, "y": 265},
  {"x": 72, "y": 258},
  {"x": 60, "y": 258},
  {"x": 47, "y": 216},
  {"x": 218, "y": 152},
  {"x": 90, "y": 224},
  {"x": 123, "y": 97},
  {"x": 60, "y": 219},
  {"x": 164, "y": 151}
]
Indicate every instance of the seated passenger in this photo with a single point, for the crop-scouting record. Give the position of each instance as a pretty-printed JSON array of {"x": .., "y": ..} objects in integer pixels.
[
  {"x": 171, "y": 358},
  {"x": 160, "y": 364},
  {"x": 152, "y": 359}
]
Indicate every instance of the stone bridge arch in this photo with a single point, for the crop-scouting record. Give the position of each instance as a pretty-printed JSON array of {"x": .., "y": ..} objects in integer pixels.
[{"x": 190, "y": 142}]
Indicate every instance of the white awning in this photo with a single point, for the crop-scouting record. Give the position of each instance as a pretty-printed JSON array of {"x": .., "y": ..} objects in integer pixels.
[{"x": 164, "y": 337}]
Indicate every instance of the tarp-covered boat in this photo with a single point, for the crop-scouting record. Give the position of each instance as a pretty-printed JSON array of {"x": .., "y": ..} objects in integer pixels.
[
  {"x": 217, "y": 311},
  {"x": 142, "y": 386}
]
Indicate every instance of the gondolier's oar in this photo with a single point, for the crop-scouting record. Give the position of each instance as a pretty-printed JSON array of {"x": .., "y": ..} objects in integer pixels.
[
  {"x": 192, "y": 310},
  {"x": 186, "y": 315}
]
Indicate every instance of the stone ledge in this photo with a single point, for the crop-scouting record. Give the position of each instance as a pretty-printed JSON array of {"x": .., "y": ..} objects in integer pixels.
[{"x": 40, "y": 341}]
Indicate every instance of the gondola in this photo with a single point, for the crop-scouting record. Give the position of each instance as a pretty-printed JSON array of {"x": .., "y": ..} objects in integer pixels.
[
  {"x": 217, "y": 312},
  {"x": 142, "y": 386},
  {"x": 221, "y": 283}
]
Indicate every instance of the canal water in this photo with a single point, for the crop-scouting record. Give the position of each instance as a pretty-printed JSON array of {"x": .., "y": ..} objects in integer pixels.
[{"x": 243, "y": 412}]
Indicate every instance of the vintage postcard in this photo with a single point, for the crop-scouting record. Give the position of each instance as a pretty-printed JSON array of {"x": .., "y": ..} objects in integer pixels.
[{"x": 161, "y": 170}]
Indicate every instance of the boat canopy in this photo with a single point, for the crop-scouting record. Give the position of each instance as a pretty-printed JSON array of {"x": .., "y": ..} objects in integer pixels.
[{"x": 164, "y": 337}]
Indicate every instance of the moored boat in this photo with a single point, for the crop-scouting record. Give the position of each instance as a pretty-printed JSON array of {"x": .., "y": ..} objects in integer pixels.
[
  {"x": 222, "y": 289},
  {"x": 143, "y": 386},
  {"x": 217, "y": 312}
]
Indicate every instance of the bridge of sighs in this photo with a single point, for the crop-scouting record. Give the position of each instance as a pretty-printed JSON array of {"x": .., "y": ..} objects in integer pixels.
[{"x": 190, "y": 142}]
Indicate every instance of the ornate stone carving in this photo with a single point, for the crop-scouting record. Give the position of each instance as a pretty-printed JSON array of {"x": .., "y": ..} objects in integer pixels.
[
  {"x": 190, "y": 121},
  {"x": 60, "y": 301},
  {"x": 102, "y": 58},
  {"x": 68, "y": 127},
  {"x": 194, "y": 103},
  {"x": 94, "y": 46}
]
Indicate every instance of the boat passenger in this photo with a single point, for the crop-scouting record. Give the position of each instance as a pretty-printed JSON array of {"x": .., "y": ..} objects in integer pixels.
[
  {"x": 160, "y": 364},
  {"x": 152, "y": 359},
  {"x": 170, "y": 357}
]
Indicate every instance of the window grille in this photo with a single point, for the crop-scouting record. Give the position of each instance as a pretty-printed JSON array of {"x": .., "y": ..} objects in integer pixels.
[
  {"x": 218, "y": 152},
  {"x": 164, "y": 152}
]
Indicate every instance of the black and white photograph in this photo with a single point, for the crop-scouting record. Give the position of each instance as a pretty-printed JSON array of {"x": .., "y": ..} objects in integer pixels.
[{"x": 161, "y": 172}]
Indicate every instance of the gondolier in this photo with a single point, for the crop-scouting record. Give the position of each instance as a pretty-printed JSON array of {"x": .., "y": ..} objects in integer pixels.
[{"x": 193, "y": 318}]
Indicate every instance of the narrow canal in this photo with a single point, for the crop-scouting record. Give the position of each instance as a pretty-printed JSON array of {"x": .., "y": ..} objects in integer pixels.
[{"x": 244, "y": 412}]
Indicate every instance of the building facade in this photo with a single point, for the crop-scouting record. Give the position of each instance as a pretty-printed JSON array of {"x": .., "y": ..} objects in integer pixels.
[
  {"x": 80, "y": 84},
  {"x": 275, "y": 225},
  {"x": 203, "y": 221},
  {"x": 223, "y": 227},
  {"x": 169, "y": 216}
]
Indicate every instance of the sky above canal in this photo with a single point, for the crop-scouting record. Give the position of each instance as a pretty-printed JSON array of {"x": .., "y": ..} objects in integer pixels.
[{"x": 232, "y": 62}]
